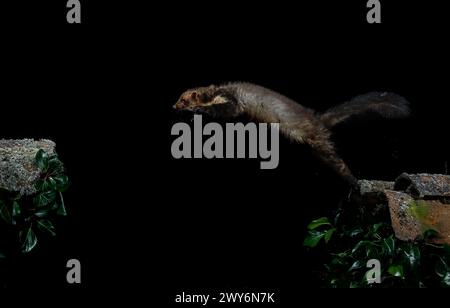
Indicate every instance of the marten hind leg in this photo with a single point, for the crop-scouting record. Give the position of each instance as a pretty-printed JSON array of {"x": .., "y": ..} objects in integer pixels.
[{"x": 324, "y": 149}]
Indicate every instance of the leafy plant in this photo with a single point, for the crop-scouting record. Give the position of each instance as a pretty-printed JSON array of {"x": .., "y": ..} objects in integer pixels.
[
  {"x": 318, "y": 229},
  {"x": 347, "y": 248},
  {"x": 27, "y": 217}
]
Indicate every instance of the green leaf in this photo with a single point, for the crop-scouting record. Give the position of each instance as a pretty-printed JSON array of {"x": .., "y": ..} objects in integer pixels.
[
  {"x": 313, "y": 238},
  {"x": 373, "y": 231},
  {"x": 375, "y": 227},
  {"x": 354, "y": 285},
  {"x": 52, "y": 183},
  {"x": 396, "y": 270},
  {"x": 328, "y": 234},
  {"x": 29, "y": 240},
  {"x": 371, "y": 251},
  {"x": 62, "y": 208},
  {"x": 42, "y": 160},
  {"x": 412, "y": 255},
  {"x": 337, "y": 217},
  {"x": 369, "y": 247},
  {"x": 5, "y": 212},
  {"x": 42, "y": 185},
  {"x": 355, "y": 232},
  {"x": 430, "y": 234},
  {"x": 45, "y": 225},
  {"x": 55, "y": 165},
  {"x": 441, "y": 268},
  {"x": 334, "y": 282},
  {"x": 338, "y": 261},
  {"x": 55, "y": 206},
  {"x": 62, "y": 182},
  {"x": 16, "y": 209},
  {"x": 318, "y": 222},
  {"x": 360, "y": 245},
  {"x": 341, "y": 254},
  {"x": 42, "y": 213},
  {"x": 389, "y": 246},
  {"x": 356, "y": 265},
  {"x": 44, "y": 198},
  {"x": 446, "y": 280}
]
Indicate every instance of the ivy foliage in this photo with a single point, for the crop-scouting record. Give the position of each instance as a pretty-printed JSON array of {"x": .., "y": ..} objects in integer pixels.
[
  {"x": 30, "y": 217},
  {"x": 348, "y": 248}
]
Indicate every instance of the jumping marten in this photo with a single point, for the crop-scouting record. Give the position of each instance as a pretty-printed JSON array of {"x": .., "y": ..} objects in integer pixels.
[{"x": 298, "y": 123}]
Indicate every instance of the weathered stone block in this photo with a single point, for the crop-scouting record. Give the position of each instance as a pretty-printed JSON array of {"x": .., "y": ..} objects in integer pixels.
[
  {"x": 18, "y": 170},
  {"x": 424, "y": 185},
  {"x": 416, "y": 203}
]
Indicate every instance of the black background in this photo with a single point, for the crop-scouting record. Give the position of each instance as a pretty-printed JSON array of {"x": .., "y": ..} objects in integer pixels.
[{"x": 143, "y": 222}]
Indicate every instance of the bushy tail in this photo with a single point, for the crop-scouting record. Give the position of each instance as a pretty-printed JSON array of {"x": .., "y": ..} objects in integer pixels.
[{"x": 387, "y": 105}]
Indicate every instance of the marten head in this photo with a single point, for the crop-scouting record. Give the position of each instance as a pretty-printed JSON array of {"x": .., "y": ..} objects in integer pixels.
[{"x": 212, "y": 100}]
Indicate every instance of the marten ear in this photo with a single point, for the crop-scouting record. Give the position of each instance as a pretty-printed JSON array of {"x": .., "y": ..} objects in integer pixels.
[{"x": 194, "y": 95}]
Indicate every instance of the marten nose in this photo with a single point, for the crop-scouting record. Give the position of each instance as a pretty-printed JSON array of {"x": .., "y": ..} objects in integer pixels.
[{"x": 181, "y": 104}]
